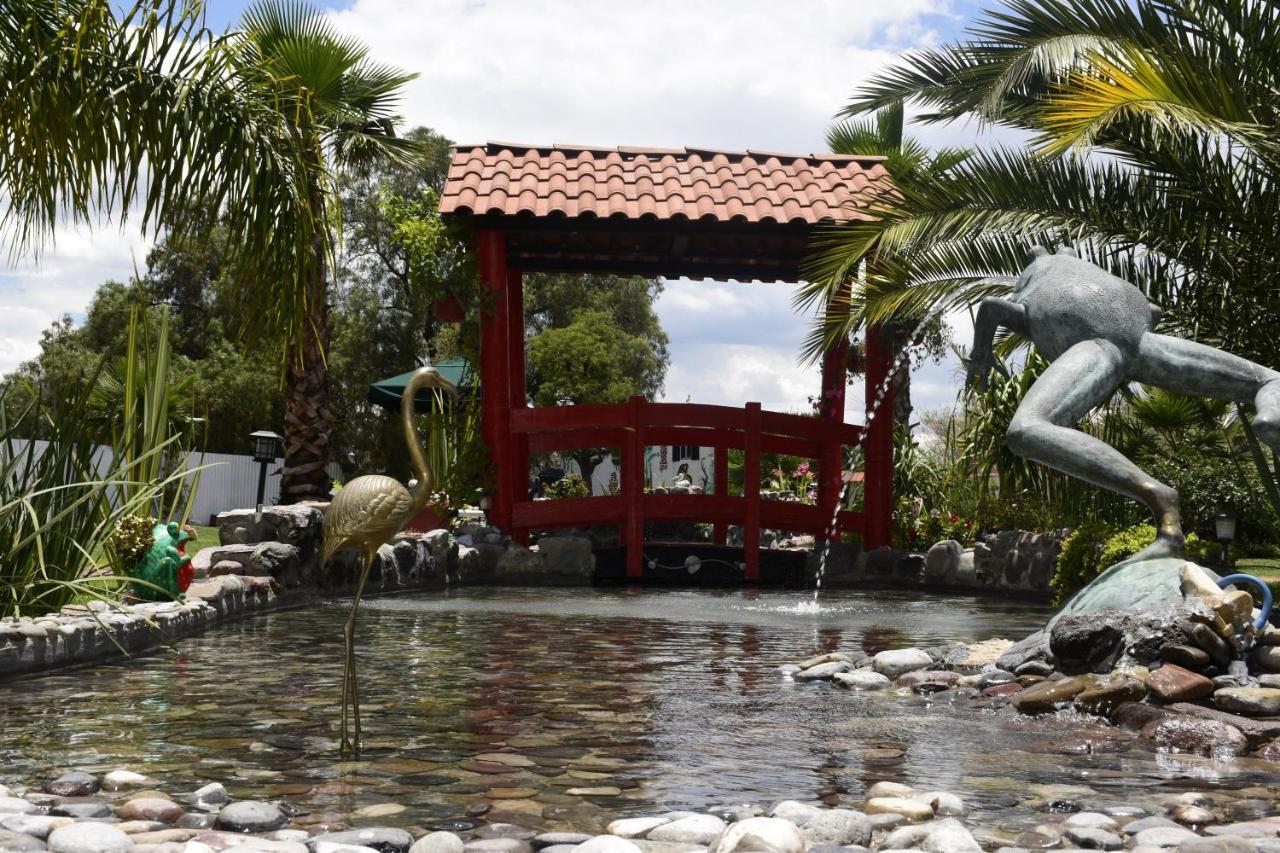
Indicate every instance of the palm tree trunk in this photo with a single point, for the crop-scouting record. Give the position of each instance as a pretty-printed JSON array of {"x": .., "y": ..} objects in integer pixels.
[{"x": 900, "y": 339}]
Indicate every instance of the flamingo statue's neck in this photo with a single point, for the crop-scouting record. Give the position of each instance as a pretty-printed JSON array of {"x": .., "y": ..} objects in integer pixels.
[{"x": 423, "y": 377}]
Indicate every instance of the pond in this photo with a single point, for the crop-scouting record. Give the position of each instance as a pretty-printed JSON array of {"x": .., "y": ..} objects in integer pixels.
[{"x": 560, "y": 708}]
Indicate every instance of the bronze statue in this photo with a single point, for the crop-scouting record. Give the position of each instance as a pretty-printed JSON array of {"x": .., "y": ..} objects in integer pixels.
[
  {"x": 1097, "y": 330},
  {"x": 368, "y": 512}
]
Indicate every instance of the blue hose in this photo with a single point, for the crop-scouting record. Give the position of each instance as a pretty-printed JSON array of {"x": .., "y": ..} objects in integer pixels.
[{"x": 1261, "y": 621}]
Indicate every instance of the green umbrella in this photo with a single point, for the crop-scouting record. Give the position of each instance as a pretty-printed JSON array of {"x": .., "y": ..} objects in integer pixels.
[{"x": 387, "y": 392}]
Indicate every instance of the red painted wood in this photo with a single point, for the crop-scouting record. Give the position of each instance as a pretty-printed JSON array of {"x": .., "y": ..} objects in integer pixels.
[
  {"x": 517, "y": 397},
  {"x": 714, "y": 508},
  {"x": 574, "y": 439},
  {"x": 569, "y": 417},
  {"x": 814, "y": 429},
  {"x": 688, "y": 414},
  {"x": 751, "y": 492},
  {"x": 633, "y": 489},
  {"x": 831, "y": 458},
  {"x": 494, "y": 368},
  {"x": 720, "y": 483},
  {"x": 878, "y": 485},
  {"x": 569, "y": 512}
]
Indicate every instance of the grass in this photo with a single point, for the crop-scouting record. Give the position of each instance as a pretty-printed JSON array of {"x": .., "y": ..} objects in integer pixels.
[{"x": 207, "y": 536}]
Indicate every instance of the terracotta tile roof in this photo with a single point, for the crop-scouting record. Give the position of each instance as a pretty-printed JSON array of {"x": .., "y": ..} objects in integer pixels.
[{"x": 506, "y": 179}]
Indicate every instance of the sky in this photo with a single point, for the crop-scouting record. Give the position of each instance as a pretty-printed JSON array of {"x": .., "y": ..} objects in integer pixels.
[{"x": 730, "y": 74}]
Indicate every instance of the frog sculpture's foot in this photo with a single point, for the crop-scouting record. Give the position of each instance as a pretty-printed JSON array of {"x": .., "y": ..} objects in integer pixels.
[{"x": 1167, "y": 544}]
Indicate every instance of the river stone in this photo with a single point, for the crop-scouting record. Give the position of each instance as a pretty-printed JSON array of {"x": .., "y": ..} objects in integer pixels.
[
  {"x": 1192, "y": 657},
  {"x": 1192, "y": 815},
  {"x": 836, "y": 826},
  {"x": 632, "y": 827},
  {"x": 499, "y": 845},
  {"x": 1049, "y": 695},
  {"x": 863, "y": 679},
  {"x": 118, "y": 780},
  {"x": 81, "y": 809},
  {"x": 827, "y": 657},
  {"x": 1162, "y": 836},
  {"x": 1190, "y": 735},
  {"x": 1221, "y": 844},
  {"x": 940, "y": 677},
  {"x": 15, "y": 805},
  {"x": 19, "y": 842},
  {"x": 606, "y": 844},
  {"x": 1105, "y": 697},
  {"x": 942, "y": 561},
  {"x": 150, "y": 808},
  {"x": 760, "y": 834},
  {"x": 1145, "y": 585},
  {"x": 75, "y": 783},
  {"x": 1094, "y": 820},
  {"x": 949, "y": 836},
  {"x": 88, "y": 837},
  {"x": 38, "y": 825},
  {"x": 1174, "y": 683},
  {"x": 1251, "y": 701},
  {"x": 540, "y": 841},
  {"x": 909, "y": 809},
  {"x": 196, "y": 820},
  {"x": 251, "y": 816},
  {"x": 698, "y": 829},
  {"x": 1267, "y": 657},
  {"x": 322, "y": 846},
  {"x": 1039, "y": 668},
  {"x": 895, "y": 662},
  {"x": 822, "y": 671},
  {"x": 1093, "y": 838},
  {"x": 1206, "y": 638},
  {"x": 1031, "y": 647},
  {"x": 385, "y": 839},
  {"x": 212, "y": 794},
  {"x": 943, "y": 803}
]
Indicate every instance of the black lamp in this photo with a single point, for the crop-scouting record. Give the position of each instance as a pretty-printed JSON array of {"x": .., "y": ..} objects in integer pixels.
[
  {"x": 1224, "y": 525},
  {"x": 266, "y": 447}
]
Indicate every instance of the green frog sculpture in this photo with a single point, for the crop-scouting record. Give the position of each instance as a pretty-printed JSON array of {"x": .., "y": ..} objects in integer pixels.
[{"x": 165, "y": 566}]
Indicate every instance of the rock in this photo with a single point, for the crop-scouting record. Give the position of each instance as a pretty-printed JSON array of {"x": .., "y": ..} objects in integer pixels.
[
  {"x": 251, "y": 816},
  {"x": 1251, "y": 701},
  {"x": 895, "y": 662},
  {"x": 36, "y": 825},
  {"x": 545, "y": 839},
  {"x": 14, "y": 805},
  {"x": 949, "y": 836},
  {"x": 1174, "y": 683},
  {"x": 891, "y": 789},
  {"x": 944, "y": 804},
  {"x": 118, "y": 780},
  {"x": 88, "y": 837},
  {"x": 829, "y": 657},
  {"x": 439, "y": 842},
  {"x": 699, "y": 829},
  {"x": 863, "y": 679},
  {"x": 909, "y": 809},
  {"x": 384, "y": 839},
  {"x": 212, "y": 794},
  {"x": 633, "y": 827},
  {"x": 1035, "y": 667},
  {"x": 1049, "y": 695},
  {"x": 1192, "y": 815},
  {"x": 822, "y": 671},
  {"x": 150, "y": 808},
  {"x": 1095, "y": 820},
  {"x": 1191, "y": 657},
  {"x": 277, "y": 560},
  {"x": 568, "y": 555},
  {"x": 1106, "y": 697},
  {"x": 329, "y": 847},
  {"x": 81, "y": 809},
  {"x": 1091, "y": 642},
  {"x": 836, "y": 826},
  {"x": 1093, "y": 838},
  {"x": 606, "y": 844},
  {"x": 1197, "y": 737},
  {"x": 195, "y": 820},
  {"x": 508, "y": 845},
  {"x": 1208, "y": 640},
  {"x": 75, "y": 783},
  {"x": 19, "y": 843},
  {"x": 1267, "y": 658},
  {"x": 1150, "y": 822},
  {"x": 938, "y": 677},
  {"x": 1221, "y": 844},
  {"x": 1162, "y": 836},
  {"x": 760, "y": 835},
  {"x": 942, "y": 562},
  {"x": 1032, "y": 647}
]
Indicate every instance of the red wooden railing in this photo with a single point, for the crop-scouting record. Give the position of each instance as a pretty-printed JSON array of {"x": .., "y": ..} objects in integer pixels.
[{"x": 636, "y": 424}]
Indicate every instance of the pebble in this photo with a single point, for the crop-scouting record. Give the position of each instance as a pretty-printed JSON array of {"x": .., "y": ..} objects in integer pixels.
[
  {"x": 1094, "y": 820},
  {"x": 546, "y": 839},
  {"x": 75, "y": 783},
  {"x": 632, "y": 827},
  {"x": 212, "y": 794},
  {"x": 384, "y": 839},
  {"x": 863, "y": 679},
  {"x": 1049, "y": 695},
  {"x": 760, "y": 833},
  {"x": 698, "y": 829},
  {"x": 836, "y": 826},
  {"x": 1173, "y": 683},
  {"x": 896, "y": 662},
  {"x": 606, "y": 844},
  {"x": 38, "y": 825},
  {"x": 1152, "y": 822},
  {"x": 1250, "y": 701},
  {"x": 909, "y": 809},
  {"x": 822, "y": 671},
  {"x": 1162, "y": 836},
  {"x": 1093, "y": 838},
  {"x": 251, "y": 816},
  {"x": 15, "y": 805},
  {"x": 19, "y": 842},
  {"x": 1221, "y": 844},
  {"x": 150, "y": 808},
  {"x": 88, "y": 837},
  {"x": 118, "y": 780},
  {"x": 498, "y": 845},
  {"x": 1189, "y": 656},
  {"x": 81, "y": 809},
  {"x": 1191, "y": 814}
]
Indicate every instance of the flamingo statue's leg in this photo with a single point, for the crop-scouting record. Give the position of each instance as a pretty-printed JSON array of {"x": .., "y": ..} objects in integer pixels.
[{"x": 350, "y": 685}]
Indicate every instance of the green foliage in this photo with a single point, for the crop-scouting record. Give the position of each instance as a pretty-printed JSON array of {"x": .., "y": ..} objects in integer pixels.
[
  {"x": 1080, "y": 559},
  {"x": 591, "y": 360},
  {"x": 131, "y": 540},
  {"x": 792, "y": 475},
  {"x": 568, "y": 486}
]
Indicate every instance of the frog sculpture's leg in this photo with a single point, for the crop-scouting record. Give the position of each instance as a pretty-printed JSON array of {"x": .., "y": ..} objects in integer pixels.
[
  {"x": 1083, "y": 377},
  {"x": 1192, "y": 368}
]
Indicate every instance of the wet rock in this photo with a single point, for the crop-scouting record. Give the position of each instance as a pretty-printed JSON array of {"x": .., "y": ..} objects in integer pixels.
[
  {"x": 896, "y": 662},
  {"x": 1050, "y": 695},
  {"x": 508, "y": 845},
  {"x": 1267, "y": 658},
  {"x": 1251, "y": 701},
  {"x": 789, "y": 669},
  {"x": 546, "y": 839},
  {"x": 944, "y": 804},
  {"x": 151, "y": 808},
  {"x": 1134, "y": 716},
  {"x": 822, "y": 671},
  {"x": 76, "y": 783},
  {"x": 15, "y": 805},
  {"x": 1090, "y": 642},
  {"x": 329, "y": 846},
  {"x": 19, "y": 843},
  {"x": 606, "y": 844},
  {"x": 1269, "y": 751},
  {"x": 212, "y": 794},
  {"x": 1162, "y": 836},
  {"x": 942, "y": 562},
  {"x": 830, "y": 657},
  {"x": 633, "y": 827},
  {"x": 1221, "y": 844},
  {"x": 1192, "y": 657},
  {"x": 1093, "y": 820},
  {"x": 195, "y": 820},
  {"x": 949, "y": 836},
  {"x": 1093, "y": 838},
  {"x": 863, "y": 679},
  {"x": 1032, "y": 647},
  {"x": 384, "y": 839},
  {"x": 251, "y": 816},
  {"x": 85, "y": 809},
  {"x": 698, "y": 829},
  {"x": 37, "y": 825},
  {"x": 941, "y": 678},
  {"x": 1189, "y": 814},
  {"x": 760, "y": 834},
  {"x": 909, "y": 809},
  {"x": 1003, "y": 689},
  {"x": 1174, "y": 683},
  {"x": 118, "y": 780},
  {"x": 836, "y": 826},
  {"x": 88, "y": 837},
  {"x": 1035, "y": 667},
  {"x": 1208, "y": 640},
  {"x": 1106, "y": 697},
  {"x": 1194, "y": 736}
]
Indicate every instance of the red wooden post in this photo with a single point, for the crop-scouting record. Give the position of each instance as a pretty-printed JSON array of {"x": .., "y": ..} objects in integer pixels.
[
  {"x": 878, "y": 444},
  {"x": 832, "y": 409},
  {"x": 751, "y": 491},
  {"x": 633, "y": 488},
  {"x": 720, "y": 485},
  {"x": 518, "y": 445},
  {"x": 494, "y": 367}
]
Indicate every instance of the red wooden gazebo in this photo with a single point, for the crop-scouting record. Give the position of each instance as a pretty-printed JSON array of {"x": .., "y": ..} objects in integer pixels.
[{"x": 744, "y": 216}]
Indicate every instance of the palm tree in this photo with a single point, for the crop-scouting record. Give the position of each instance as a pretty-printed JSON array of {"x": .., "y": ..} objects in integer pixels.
[
  {"x": 338, "y": 107},
  {"x": 1155, "y": 150},
  {"x": 908, "y": 161}
]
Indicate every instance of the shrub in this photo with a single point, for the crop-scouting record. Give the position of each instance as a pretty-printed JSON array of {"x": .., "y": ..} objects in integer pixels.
[
  {"x": 568, "y": 486},
  {"x": 1080, "y": 559}
]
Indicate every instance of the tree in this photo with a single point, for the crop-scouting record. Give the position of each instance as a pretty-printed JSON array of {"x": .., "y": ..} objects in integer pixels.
[{"x": 338, "y": 108}]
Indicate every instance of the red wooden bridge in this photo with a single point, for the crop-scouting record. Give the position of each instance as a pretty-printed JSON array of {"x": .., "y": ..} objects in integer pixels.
[{"x": 669, "y": 212}]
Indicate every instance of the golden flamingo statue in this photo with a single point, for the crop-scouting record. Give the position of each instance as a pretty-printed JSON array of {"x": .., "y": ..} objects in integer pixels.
[{"x": 368, "y": 512}]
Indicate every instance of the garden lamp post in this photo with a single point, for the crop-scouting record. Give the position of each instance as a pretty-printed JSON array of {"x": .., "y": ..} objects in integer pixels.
[
  {"x": 1224, "y": 525},
  {"x": 266, "y": 447}
]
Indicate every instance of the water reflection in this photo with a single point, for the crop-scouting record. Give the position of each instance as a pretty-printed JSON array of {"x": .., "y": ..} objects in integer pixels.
[{"x": 559, "y": 707}]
